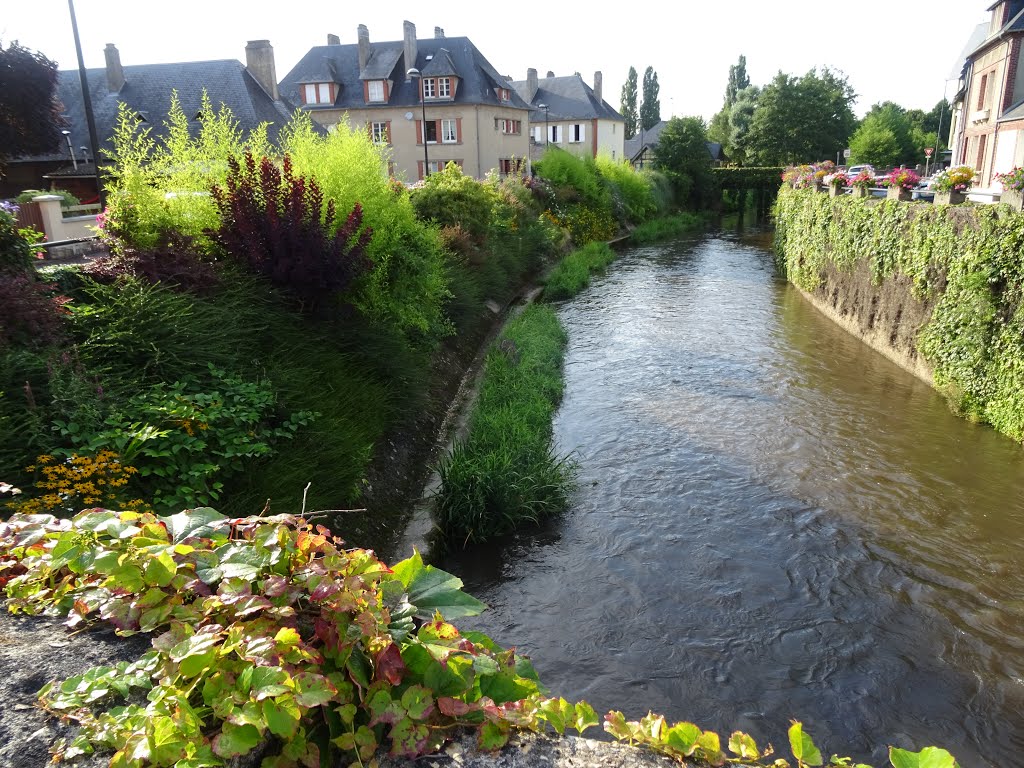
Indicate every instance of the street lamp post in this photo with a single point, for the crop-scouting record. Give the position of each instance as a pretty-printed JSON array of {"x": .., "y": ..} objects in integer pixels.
[
  {"x": 547, "y": 135},
  {"x": 414, "y": 73},
  {"x": 87, "y": 103},
  {"x": 71, "y": 151}
]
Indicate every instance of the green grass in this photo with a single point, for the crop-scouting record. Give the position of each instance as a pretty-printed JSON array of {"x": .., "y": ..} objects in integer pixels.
[
  {"x": 506, "y": 474},
  {"x": 572, "y": 274},
  {"x": 666, "y": 228}
]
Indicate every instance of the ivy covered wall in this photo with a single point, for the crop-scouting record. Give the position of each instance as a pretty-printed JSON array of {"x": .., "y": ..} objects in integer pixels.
[{"x": 965, "y": 263}]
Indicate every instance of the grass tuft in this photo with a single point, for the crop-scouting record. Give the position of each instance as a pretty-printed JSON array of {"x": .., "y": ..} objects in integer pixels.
[
  {"x": 573, "y": 273},
  {"x": 666, "y": 228}
]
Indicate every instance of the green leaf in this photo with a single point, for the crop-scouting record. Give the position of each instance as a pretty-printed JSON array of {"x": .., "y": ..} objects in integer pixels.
[
  {"x": 312, "y": 690},
  {"x": 929, "y": 757},
  {"x": 557, "y": 713},
  {"x": 160, "y": 570},
  {"x": 418, "y": 702},
  {"x": 202, "y": 522},
  {"x": 451, "y": 679},
  {"x": 282, "y": 715},
  {"x": 268, "y": 682},
  {"x": 507, "y": 687},
  {"x": 743, "y": 745},
  {"x": 493, "y": 736},
  {"x": 234, "y": 740},
  {"x": 586, "y": 717},
  {"x": 409, "y": 739},
  {"x": 196, "y": 664},
  {"x": 683, "y": 738},
  {"x": 803, "y": 748},
  {"x": 431, "y": 589}
]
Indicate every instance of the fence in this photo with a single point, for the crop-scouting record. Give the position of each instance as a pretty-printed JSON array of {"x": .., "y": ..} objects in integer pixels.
[{"x": 30, "y": 215}]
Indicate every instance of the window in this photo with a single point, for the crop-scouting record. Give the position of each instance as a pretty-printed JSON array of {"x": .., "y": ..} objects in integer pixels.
[
  {"x": 503, "y": 94},
  {"x": 983, "y": 92},
  {"x": 317, "y": 93},
  {"x": 449, "y": 131},
  {"x": 381, "y": 132},
  {"x": 375, "y": 90},
  {"x": 577, "y": 132},
  {"x": 979, "y": 164},
  {"x": 509, "y": 165},
  {"x": 436, "y": 166},
  {"x": 444, "y": 87},
  {"x": 429, "y": 90},
  {"x": 538, "y": 134},
  {"x": 513, "y": 127},
  {"x": 430, "y": 131},
  {"x": 555, "y": 134}
]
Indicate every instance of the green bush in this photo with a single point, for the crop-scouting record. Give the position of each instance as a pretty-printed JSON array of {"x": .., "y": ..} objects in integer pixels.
[
  {"x": 506, "y": 474},
  {"x": 567, "y": 171},
  {"x": 633, "y": 188},
  {"x": 450, "y": 198},
  {"x": 666, "y": 228},
  {"x": 572, "y": 274},
  {"x": 67, "y": 198}
]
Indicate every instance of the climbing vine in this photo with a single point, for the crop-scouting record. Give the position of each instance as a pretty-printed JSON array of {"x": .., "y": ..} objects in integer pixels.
[
  {"x": 268, "y": 633},
  {"x": 964, "y": 259}
]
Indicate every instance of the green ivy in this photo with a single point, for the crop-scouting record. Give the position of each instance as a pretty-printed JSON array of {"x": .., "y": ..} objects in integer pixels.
[{"x": 966, "y": 260}]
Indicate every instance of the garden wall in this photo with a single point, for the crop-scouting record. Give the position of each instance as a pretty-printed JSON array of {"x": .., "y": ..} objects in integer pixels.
[{"x": 938, "y": 289}]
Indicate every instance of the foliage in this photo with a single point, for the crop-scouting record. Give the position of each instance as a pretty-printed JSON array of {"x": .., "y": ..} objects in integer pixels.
[
  {"x": 79, "y": 482},
  {"x": 16, "y": 252},
  {"x": 683, "y": 157},
  {"x": 1012, "y": 179},
  {"x": 839, "y": 179},
  {"x": 31, "y": 314},
  {"x": 67, "y": 199},
  {"x": 175, "y": 263},
  {"x": 30, "y": 116},
  {"x": 585, "y": 224},
  {"x": 450, "y": 198},
  {"x": 738, "y": 80},
  {"x": 632, "y": 188},
  {"x": 747, "y": 178},
  {"x": 650, "y": 109},
  {"x": 506, "y": 473},
  {"x": 957, "y": 179},
  {"x": 277, "y": 224},
  {"x": 572, "y": 274},
  {"x": 741, "y": 114},
  {"x": 406, "y": 289},
  {"x": 798, "y": 118},
  {"x": 875, "y": 144},
  {"x": 574, "y": 175},
  {"x": 962, "y": 261},
  {"x": 863, "y": 180},
  {"x": 628, "y": 104},
  {"x": 808, "y": 176},
  {"x": 666, "y": 228}
]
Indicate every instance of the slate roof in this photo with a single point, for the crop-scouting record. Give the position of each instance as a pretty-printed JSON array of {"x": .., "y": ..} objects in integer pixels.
[
  {"x": 568, "y": 98},
  {"x": 147, "y": 90},
  {"x": 477, "y": 78}
]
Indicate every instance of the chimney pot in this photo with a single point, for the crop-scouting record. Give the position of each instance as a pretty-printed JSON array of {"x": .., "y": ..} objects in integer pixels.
[
  {"x": 409, "y": 37},
  {"x": 259, "y": 60},
  {"x": 531, "y": 84},
  {"x": 363, "y": 36},
  {"x": 550, "y": 74},
  {"x": 115, "y": 72},
  {"x": 598, "y": 87},
  {"x": 438, "y": 33},
  {"x": 333, "y": 40}
]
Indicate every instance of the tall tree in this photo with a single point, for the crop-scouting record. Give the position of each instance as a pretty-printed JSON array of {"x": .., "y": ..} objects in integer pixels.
[
  {"x": 684, "y": 158},
  {"x": 874, "y": 143},
  {"x": 30, "y": 120},
  {"x": 650, "y": 110},
  {"x": 898, "y": 122},
  {"x": 801, "y": 119},
  {"x": 628, "y": 104},
  {"x": 738, "y": 80},
  {"x": 740, "y": 116}
]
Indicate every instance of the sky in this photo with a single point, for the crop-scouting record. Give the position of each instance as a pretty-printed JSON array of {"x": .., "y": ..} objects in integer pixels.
[{"x": 690, "y": 45}]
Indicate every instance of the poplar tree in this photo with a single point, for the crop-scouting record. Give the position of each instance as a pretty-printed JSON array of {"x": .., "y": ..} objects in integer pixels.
[
  {"x": 628, "y": 104},
  {"x": 650, "y": 110}
]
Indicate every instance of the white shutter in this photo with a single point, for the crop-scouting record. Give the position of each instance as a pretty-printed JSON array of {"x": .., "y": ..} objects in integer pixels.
[{"x": 310, "y": 93}]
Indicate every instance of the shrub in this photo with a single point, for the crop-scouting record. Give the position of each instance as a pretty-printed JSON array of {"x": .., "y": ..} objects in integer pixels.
[
  {"x": 16, "y": 252},
  {"x": 450, "y": 198},
  {"x": 66, "y": 197},
  {"x": 572, "y": 274},
  {"x": 176, "y": 263},
  {"x": 633, "y": 188},
  {"x": 31, "y": 314},
  {"x": 666, "y": 227},
  {"x": 276, "y": 224},
  {"x": 578, "y": 175}
]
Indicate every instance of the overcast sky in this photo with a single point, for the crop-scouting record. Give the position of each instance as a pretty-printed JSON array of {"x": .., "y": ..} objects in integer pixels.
[{"x": 690, "y": 45}]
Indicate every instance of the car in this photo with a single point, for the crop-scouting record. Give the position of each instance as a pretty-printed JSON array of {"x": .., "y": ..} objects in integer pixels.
[{"x": 856, "y": 169}]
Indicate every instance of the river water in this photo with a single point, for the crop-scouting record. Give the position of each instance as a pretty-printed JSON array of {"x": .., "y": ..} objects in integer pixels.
[{"x": 773, "y": 522}]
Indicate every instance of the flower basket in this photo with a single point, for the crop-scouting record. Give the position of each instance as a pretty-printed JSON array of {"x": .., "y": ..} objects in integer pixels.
[
  {"x": 898, "y": 193},
  {"x": 1014, "y": 198},
  {"x": 950, "y": 197}
]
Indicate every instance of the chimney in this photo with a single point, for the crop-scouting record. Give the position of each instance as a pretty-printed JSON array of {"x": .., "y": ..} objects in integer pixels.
[
  {"x": 115, "y": 72},
  {"x": 259, "y": 60},
  {"x": 550, "y": 74},
  {"x": 531, "y": 84},
  {"x": 333, "y": 40},
  {"x": 438, "y": 33},
  {"x": 364, "y": 45},
  {"x": 598, "y": 87},
  {"x": 409, "y": 35}
]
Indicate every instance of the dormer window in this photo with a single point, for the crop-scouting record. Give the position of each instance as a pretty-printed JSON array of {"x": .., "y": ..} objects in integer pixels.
[
  {"x": 429, "y": 88},
  {"x": 318, "y": 93},
  {"x": 375, "y": 91},
  {"x": 444, "y": 87},
  {"x": 504, "y": 94}
]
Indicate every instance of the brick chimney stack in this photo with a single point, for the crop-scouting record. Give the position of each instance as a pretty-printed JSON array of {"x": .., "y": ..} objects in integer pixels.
[
  {"x": 409, "y": 37},
  {"x": 531, "y": 84},
  {"x": 438, "y": 33},
  {"x": 259, "y": 60},
  {"x": 598, "y": 87},
  {"x": 550, "y": 74},
  {"x": 363, "y": 35},
  {"x": 333, "y": 40},
  {"x": 115, "y": 72}
]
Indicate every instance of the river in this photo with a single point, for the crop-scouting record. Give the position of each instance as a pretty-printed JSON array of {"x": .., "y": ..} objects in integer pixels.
[{"x": 773, "y": 522}]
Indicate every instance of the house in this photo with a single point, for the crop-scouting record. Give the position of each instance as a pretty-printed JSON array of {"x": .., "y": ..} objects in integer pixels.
[
  {"x": 570, "y": 114},
  {"x": 249, "y": 90},
  {"x": 454, "y": 107},
  {"x": 640, "y": 150},
  {"x": 988, "y": 110}
]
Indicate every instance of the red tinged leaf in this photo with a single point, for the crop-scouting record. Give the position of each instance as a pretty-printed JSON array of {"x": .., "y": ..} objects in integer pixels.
[
  {"x": 389, "y": 665},
  {"x": 453, "y": 707}
]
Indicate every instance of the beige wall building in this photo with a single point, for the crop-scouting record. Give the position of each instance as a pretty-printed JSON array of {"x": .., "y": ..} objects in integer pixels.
[{"x": 454, "y": 105}]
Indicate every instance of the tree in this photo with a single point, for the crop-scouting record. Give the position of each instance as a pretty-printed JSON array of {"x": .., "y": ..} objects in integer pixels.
[
  {"x": 628, "y": 104},
  {"x": 684, "y": 158},
  {"x": 650, "y": 110},
  {"x": 740, "y": 117},
  {"x": 895, "y": 119},
  {"x": 738, "y": 80},
  {"x": 720, "y": 129},
  {"x": 30, "y": 120},
  {"x": 801, "y": 119},
  {"x": 874, "y": 143}
]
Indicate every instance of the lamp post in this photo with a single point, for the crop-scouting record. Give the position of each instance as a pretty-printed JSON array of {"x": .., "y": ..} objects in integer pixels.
[
  {"x": 74, "y": 160},
  {"x": 87, "y": 103},
  {"x": 545, "y": 107},
  {"x": 414, "y": 74}
]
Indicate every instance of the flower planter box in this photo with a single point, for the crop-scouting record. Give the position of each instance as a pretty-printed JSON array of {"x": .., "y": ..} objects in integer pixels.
[
  {"x": 1014, "y": 198},
  {"x": 835, "y": 190},
  {"x": 859, "y": 191},
  {"x": 898, "y": 193},
  {"x": 952, "y": 197}
]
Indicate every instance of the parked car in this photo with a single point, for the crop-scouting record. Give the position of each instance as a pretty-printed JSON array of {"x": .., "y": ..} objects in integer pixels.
[{"x": 855, "y": 169}]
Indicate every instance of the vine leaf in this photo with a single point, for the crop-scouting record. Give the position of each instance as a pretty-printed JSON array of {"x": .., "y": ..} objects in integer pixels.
[
  {"x": 235, "y": 740},
  {"x": 431, "y": 589},
  {"x": 803, "y": 748},
  {"x": 929, "y": 757},
  {"x": 743, "y": 745},
  {"x": 198, "y": 523}
]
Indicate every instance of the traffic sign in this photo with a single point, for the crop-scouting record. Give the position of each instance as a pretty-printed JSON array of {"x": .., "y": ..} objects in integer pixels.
[
  {"x": 928, "y": 152},
  {"x": 846, "y": 153}
]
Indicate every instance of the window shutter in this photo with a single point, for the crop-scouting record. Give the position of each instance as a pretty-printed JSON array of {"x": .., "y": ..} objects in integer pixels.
[
  {"x": 437, "y": 132},
  {"x": 419, "y": 132},
  {"x": 387, "y": 131},
  {"x": 458, "y": 130},
  {"x": 583, "y": 132}
]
